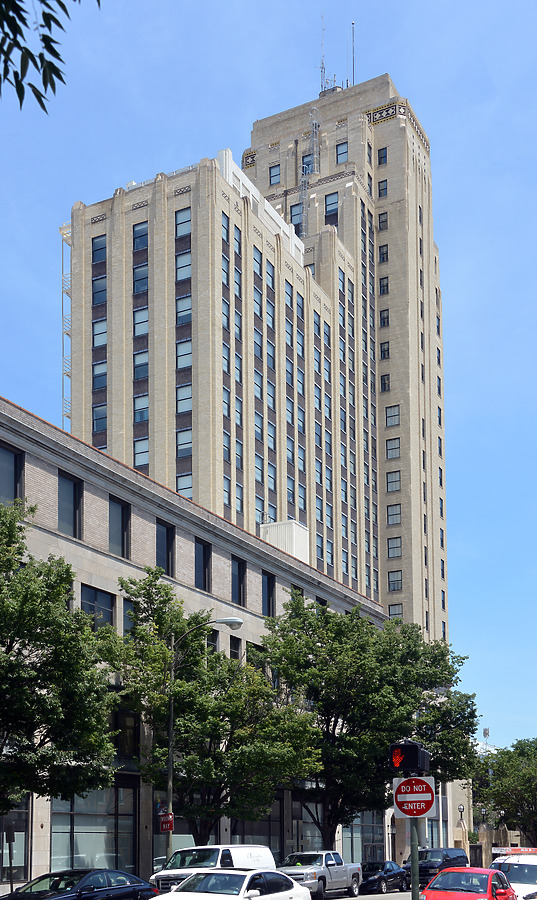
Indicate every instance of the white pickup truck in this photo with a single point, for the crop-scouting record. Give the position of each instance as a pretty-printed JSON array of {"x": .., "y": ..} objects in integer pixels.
[{"x": 323, "y": 870}]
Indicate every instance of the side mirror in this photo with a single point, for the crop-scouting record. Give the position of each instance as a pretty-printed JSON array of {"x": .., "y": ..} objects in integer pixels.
[
  {"x": 252, "y": 893},
  {"x": 329, "y": 862},
  {"x": 501, "y": 893}
]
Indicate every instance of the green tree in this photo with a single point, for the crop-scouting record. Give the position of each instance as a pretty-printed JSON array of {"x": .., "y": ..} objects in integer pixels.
[
  {"x": 235, "y": 739},
  {"x": 54, "y": 683},
  {"x": 366, "y": 688},
  {"x": 513, "y": 786},
  {"x": 27, "y": 42}
]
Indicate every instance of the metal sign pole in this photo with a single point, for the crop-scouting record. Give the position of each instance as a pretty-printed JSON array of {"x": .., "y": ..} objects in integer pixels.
[{"x": 414, "y": 866}]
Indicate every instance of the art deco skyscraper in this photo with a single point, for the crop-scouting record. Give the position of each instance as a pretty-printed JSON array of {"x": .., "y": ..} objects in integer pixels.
[{"x": 269, "y": 341}]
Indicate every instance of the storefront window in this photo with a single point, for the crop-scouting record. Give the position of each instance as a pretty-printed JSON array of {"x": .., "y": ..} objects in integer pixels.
[
  {"x": 18, "y": 818},
  {"x": 95, "y": 831}
]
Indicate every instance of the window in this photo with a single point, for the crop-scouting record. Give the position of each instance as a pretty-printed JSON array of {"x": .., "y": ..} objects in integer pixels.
[
  {"x": 183, "y": 310},
  {"x": 235, "y": 647},
  {"x": 238, "y": 454},
  {"x": 238, "y": 282},
  {"x": 99, "y": 333},
  {"x": 184, "y": 354},
  {"x": 382, "y": 156},
  {"x": 342, "y": 152},
  {"x": 69, "y": 505},
  {"x": 271, "y": 435},
  {"x": 439, "y": 386},
  {"x": 271, "y": 312},
  {"x": 98, "y": 248},
  {"x": 289, "y": 294},
  {"x": 302, "y": 496},
  {"x": 237, "y": 240},
  {"x": 141, "y": 364},
  {"x": 385, "y": 350},
  {"x": 226, "y": 444},
  {"x": 238, "y": 581},
  {"x": 440, "y": 446},
  {"x": 258, "y": 302},
  {"x": 383, "y": 188},
  {"x": 270, "y": 275},
  {"x": 393, "y": 514},
  {"x": 393, "y": 448},
  {"x": 139, "y": 236},
  {"x": 259, "y": 468},
  {"x": 296, "y": 217},
  {"x": 119, "y": 514},
  {"x": 319, "y": 546},
  {"x": 183, "y": 265},
  {"x": 226, "y": 358},
  {"x": 225, "y": 270},
  {"x": 267, "y": 594},
  {"x": 319, "y": 509},
  {"x": 225, "y": 228},
  {"x": 227, "y": 491},
  {"x": 274, "y": 174},
  {"x": 395, "y": 610},
  {"x": 392, "y": 416},
  {"x": 183, "y": 398},
  {"x": 383, "y": 221},
  {"x": 442, "y": 569},
  {"x": 258, "y": 262},
  {"x": 290, "y": 410},
  {"x": 202, "y": 565},
  {"x": 394, "y": 547},
  {"x": 183, "y": 222},
  {"x": 384, "y": 384},
  {"x": 184, "y": 443},
  {"x": 98, "y": 290},
  {"x": 440, "y": 477},
  {"x": 97, "y": 604},
  {"x": 258, "y": 384},
  {"x": 383, "y": 253},
  {"x": 290, "y": 490},
  {"x": 299, "y": 306},
  {"x": 139, "y": 278},
  {"x": 441, "y": 538},
  {"x": 395, "y": 581},
  {"x": 307, "y": 163},
  {"x": 331, "y": 209},
  {"x": 140, "y": 324},
  {"x": 393, "y": 481},
  {"x": 141, "y": 452},
  {"x": 271, "y": 476},
  {"x": 164, "y": 550},
  {"x": 441, "y": 507},
  {"x": 288, "y": 332},
  {"x": 141, "y": 408},
  {"x": 99, "y": 376}
]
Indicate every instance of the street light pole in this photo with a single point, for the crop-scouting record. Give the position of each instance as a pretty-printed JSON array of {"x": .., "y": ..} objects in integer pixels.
[{"x": 232, "y": 622}]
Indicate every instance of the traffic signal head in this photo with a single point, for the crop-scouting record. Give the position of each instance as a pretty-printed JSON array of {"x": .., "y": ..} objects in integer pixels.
[{"x": 409, "y": 756}]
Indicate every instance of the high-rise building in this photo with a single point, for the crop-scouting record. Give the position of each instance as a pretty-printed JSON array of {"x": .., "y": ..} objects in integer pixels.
[{"x": 268, "y": 341}]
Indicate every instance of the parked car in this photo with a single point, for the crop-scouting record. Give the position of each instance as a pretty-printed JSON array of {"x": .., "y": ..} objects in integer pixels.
[
  {"x": 521, "y": 871},
  {"x": 432, "y": 861},
  {"x": 184, "y": 863},
  {"x": 383, "y": 876},
  {"x": 323, "y": 870},
  {"x": 243, "y": 884},
  {"x": 100, "y": 883},
  {"x": 456, "y": 884}
]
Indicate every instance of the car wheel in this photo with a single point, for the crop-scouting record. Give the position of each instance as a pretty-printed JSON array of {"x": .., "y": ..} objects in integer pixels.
[
  {"x": 354, "y": 887},
  {"x": 320, "y": 890},
  {"x": 402, "y": 886},
  {"x": 383, "y": 887}
]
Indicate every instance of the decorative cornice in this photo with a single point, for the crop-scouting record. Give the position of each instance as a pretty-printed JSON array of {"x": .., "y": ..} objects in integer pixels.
[{"x": 390, "y": 111}]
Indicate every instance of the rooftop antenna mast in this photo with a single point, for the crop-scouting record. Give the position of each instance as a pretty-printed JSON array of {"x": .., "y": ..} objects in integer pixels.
[
  {"x": 353, "y": 53},
  {"x": 323, "y": 70}
]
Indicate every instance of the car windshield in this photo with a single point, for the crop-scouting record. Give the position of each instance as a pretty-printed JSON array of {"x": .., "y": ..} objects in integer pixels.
[
  {"x": 369, "y": 868},
  {"x": 430, "y": 855},
  {"x": 193, "y": 858},
  {"x": 523, "y": 874},
  {"x": 54, "y": 882},
  {"x": 466, "y": 882},
  {"x": 212, "y": 883},
  {"x": 303, "y": 859}
]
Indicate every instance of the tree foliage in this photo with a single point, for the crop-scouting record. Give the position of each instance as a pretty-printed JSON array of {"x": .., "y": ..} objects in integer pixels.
[
  {"x": 27, "y": 43},
  {"x": 509, "y": 783},
  {"x": 54, "y": 684},
  {"x": 235, "y": 743},
  {"x": 366, "y": 688}
]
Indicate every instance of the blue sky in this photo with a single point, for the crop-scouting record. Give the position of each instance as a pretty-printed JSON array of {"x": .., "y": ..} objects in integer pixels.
[{"x": 154, "y": 86}]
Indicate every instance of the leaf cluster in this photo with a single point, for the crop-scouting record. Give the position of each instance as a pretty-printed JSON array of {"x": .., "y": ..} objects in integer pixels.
[
  {"x": 508, "y": 782},
  {"x": 27, "y": 43},
  {"x": 54, "y": 682}
]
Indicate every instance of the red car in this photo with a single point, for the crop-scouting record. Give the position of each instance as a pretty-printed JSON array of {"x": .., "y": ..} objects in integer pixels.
[{"x": 456, "y": 884}]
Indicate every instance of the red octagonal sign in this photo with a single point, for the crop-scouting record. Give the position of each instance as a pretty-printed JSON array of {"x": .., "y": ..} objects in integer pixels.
[{"x": 413, "y": 796}]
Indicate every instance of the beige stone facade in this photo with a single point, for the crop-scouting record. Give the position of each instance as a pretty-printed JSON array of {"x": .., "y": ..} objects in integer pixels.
[
  {"x": 272, "y": 376},
  {"x": 40, "y": 456}
]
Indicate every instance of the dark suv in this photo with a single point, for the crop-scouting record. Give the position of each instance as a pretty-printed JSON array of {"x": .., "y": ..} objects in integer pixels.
[{"x": 431, "y": 861}]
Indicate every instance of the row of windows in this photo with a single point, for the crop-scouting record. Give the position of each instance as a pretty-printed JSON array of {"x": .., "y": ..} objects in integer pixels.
[{"x": 341, "y": 156}]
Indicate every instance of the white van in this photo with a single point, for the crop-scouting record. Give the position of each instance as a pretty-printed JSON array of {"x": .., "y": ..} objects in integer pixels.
[
  {"x": 521, "y": 871},
  {"x": 185, "y": 862}
]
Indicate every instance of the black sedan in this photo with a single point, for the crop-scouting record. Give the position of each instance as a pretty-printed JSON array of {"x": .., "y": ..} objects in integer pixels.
[
  {"x": 102, "y": 884},
  {"x": 380, "y": 877}
]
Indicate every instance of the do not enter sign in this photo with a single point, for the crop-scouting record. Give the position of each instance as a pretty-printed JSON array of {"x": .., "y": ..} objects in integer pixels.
[{"x": 414, "y": 796}]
